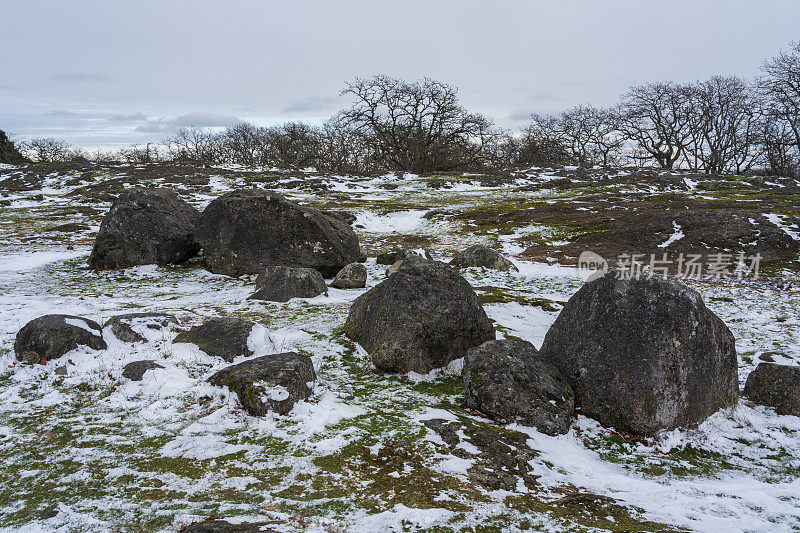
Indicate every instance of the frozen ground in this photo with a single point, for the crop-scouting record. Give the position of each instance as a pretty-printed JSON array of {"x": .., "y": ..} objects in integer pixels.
[{"x": 110, "y": 454}]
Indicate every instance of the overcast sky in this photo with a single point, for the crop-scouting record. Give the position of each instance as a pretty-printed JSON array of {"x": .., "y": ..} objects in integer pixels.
[{"x": 116, "y": 73}]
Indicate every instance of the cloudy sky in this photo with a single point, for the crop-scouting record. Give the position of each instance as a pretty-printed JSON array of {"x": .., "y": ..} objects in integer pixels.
[{"x": 105, "y": 73}]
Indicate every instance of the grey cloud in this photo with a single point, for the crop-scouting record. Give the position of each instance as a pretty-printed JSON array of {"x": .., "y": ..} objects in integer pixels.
[
  {"x": 546, "y": 97},
  {"x": 200, "y": 120},
  {"x": 311, "y": 104},
  {"x": 129, "y": 117},
  {"x": 520, "y": 115}
]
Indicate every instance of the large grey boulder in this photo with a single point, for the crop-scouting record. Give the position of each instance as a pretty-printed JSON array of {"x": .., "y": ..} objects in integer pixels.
[
  {"x": 422, "y": 317},
  {"x": 481, "y": 256},
  {"x": 508, "y": 381},
  {"x": 242, "y": 232},
  {"x": 281, "y": 284},
  {"x": 145, "y": 226},
  {"x": 643, "y": 354},
  {"x": 775, "y": 385},
  {"x": 269, "y": 383},
  {"x": 352, "y": 276},
  {"x": 122, "y": 325},
  {"x": 51, "y": 336},
  {"x": 221, "y": 337}
]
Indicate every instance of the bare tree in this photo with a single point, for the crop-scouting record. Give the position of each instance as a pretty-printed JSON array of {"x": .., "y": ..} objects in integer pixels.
[
  {"x": 723, "y": 126},
  {"x": 198, "y": 145},
  {"x": 542, "y": 143},
  {"x": 657, "y": 118},
  {"x": 243, "y": 143},
  {"x": 780, "y": 85},
  {"x": 591, "y": 134},
  {"x": 50, "y": 150},
  {"x": 416, "y": 126}
]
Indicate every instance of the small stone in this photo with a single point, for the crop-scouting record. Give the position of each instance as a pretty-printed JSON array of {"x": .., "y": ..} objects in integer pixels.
[
  {"x": 398, "y": 254},
  {"x": 221, "y": 337},
  {"x": 51, "y": 336},
  {"x": 353, "y": 276},
  {"x": 269, "y": 383},
  {"x": 135, "y": 371},
  {"x": 281, "y": 284},
  {"x": 481, "y": 256},
  {"x": 775, "y": 385}
]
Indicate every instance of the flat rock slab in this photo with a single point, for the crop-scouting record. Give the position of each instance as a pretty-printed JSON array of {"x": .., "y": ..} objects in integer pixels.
[
  {"x": 51, "y": 336},
  {"x": 422, "y": 317},
  {"x": 135, "y": 371},
  {"x": 121, "y": 324},
  {"x": 143, "y": 227},
  {"x": 775, "y": 385},
  {"x": 281, "y": 284},
  {"x": 221, "y": 337},
  {"x": 269, "y": 383},
  {"x": 508, "y": 381}
]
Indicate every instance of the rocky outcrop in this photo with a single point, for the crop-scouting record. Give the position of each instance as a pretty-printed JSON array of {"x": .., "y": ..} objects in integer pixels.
[
  {"x": 422, "y": 317},
  {"x": 51, "y": 336},
  {"x": 281, "y": 284},
  {"x": 481, "y": 256},
  {"x": 242, "y": 232},
  {"x": 509, "y": 382},
  {"x": 122, "y": 325},
  {"x": 643, "y": 354},
  {"x": 777, "y": 386},
  {"x": 269, "y": 383},
  {"x": 146, "y": 226},
  {"x": 221, "y": 337},
  {"x": 352, "y": 276}
]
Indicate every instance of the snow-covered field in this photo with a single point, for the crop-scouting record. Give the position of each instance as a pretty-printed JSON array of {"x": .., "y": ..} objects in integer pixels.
[{"x": 110, "y": 454}]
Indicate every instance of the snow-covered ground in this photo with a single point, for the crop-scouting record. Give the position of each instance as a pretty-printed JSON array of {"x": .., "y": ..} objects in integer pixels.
[{"x": 111, "y": 454}]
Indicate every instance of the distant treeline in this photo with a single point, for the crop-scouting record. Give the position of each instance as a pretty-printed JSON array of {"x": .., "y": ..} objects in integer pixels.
[{"x": 721, "y": 125}]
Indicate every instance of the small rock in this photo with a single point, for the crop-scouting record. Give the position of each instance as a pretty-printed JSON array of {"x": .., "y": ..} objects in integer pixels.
[
  {"x": 398, "y": 254},
  {"x": 767, "y": 357},
  {"x": 281, "y": 284},
  {"x": 353, "y": 276},
  {"x": 481, "y": 256},
  {"x": 48, "y": 513},
  {"x": 393, "y": 268},
  {"x": 223, "y": 526},
  {"x": 135, "y": 371},
  {"x": 121, "y": 324},
  {"x": 61, "y": 370},
  {"x": 51, "y": 336},
  {"x": 269, "y": 383},
  {"x": 221, "y": 337},
  {"x": 509, "y": 382},
  {"x": 777, "y": 386}
]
